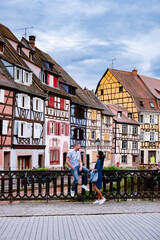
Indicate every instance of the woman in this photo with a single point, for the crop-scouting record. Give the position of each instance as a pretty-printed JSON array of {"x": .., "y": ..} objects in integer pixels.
[{"x": 98, "y": 185}]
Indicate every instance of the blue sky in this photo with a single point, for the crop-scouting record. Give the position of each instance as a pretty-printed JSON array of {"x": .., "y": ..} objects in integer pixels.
[{"x": 82, "y": 36}]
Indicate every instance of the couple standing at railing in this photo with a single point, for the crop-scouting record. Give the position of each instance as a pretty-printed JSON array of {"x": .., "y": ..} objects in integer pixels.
[{"x": 75, "y": 166}]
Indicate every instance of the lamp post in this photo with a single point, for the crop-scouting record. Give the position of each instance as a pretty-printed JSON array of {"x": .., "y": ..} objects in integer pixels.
[{"x": 98, "y": 143}]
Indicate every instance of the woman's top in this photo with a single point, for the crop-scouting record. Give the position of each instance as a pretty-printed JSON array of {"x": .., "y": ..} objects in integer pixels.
[{"x": 99, "y": 167}]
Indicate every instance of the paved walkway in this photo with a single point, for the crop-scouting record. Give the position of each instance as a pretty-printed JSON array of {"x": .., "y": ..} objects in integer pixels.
[{"x": 73, "y": 220}]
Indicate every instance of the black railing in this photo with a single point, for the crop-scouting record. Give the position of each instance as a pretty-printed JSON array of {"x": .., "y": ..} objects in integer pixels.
[{"x": 50, "y": 185}]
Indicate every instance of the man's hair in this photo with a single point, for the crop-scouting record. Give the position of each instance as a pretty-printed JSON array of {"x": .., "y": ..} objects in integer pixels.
[{"x": 76, "y": 144}]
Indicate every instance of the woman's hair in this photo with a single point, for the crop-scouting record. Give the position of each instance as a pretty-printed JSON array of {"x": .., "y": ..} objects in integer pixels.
[{"x": 101, "y": 156}]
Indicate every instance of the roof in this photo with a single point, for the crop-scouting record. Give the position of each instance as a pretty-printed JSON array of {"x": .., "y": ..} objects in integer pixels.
[
  {"x": 124, "y": 119},
  {"x": 137, "y": 89},
  {"x": 4, "y": 82},
  {"x": 7, "y": 33},
  {"x": 153, "y": 84}
]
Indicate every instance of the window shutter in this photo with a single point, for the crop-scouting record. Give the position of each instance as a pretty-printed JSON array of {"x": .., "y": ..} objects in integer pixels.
[
  {"x": 25, "y": 134},
  {"x": 147, "y": 136},
  {"x": 129, "y": 145},
  {"x": 106, "y": 136},
  {"x": 138, "y": 130},
  {"x": 51, "y": 102},
  {"x": 89, "y": 135},
  {"x": 34, "y": 104},
  {"x": 120, "y": 144},
  {"x": 1, "y": 95},
  {"x": 41, "y": 105},
  {"x": 105, "y": 120},
  {"x": 146, "y": 119},
  {"x": 48, "y": 127},
  {"x": 20, "y": 100},
  {"x": 51, "y": 80},
  {"x": 30, "y": 78},
  {"x": 62, "y": 104},
  {"x": 19, "y": 129},
  {"x": 56, "y": 82},
  {"x": 48, "y": 79},
  {"x": 27, "y": 102},
  {"x": 111, "y": 120},
  {"x": 156, "y": 136},
  {"x": 120, "y": 129},
  {"x": 109, "y": 155},
  {"x": 23, "y": 76},
  {"x": 5, "y": 127},
  {"x": 156, "y": 119},
  {"x": 56, "y": 128},
  {"x": 139, "y": 145},
  {"x": 36, "y": 130},
  {"x": 94, "y": 113},
  {"x": 29, "y": 130},
  {"x": 67, "y": 129}
]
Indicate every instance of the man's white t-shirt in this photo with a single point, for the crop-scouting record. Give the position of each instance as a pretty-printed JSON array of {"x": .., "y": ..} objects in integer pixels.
[{"x": 74, "y": 158}]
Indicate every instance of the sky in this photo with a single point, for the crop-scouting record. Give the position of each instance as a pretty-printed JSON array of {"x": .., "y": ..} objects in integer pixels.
[{"x": 83, "y": 36}]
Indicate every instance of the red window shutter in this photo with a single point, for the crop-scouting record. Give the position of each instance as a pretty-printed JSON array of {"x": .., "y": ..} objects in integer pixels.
[
  {"x": 56, "y": 82},
  {"x": 51, "y": 102},
  {"x": 67, "y": 129},
  {"x": 56, "y": 128},
  {"x": 48, "y": 79},
  {"x": 48, "y": 128},
  {"x": 62, "y": 103}
]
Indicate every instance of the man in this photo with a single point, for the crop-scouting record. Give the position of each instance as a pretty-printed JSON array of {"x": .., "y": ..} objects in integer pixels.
[{"x": 75, "y": 166}]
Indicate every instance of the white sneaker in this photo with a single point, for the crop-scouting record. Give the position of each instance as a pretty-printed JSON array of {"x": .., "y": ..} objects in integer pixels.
[
  {"x": 85, "y": 187},
  {"x": 72, "y": 193},
  {"x": 102, "y": 201},
  {"x": 96, "y": 202}
]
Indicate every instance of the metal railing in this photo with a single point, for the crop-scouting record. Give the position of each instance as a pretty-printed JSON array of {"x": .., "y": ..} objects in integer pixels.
[{"x": 50, "y": 185}]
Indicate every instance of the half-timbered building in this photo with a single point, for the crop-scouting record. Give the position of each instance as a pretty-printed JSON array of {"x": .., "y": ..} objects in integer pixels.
[
  {"x": 28, "y": 107},
  {"x": 99, "y": 128},
  {"x": 128, "y": 90},
  {"x": 125, "y": 140}
]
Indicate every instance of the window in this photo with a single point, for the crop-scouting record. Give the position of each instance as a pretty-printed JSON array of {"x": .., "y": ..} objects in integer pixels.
[
  {"x": 120, "y": 89},
  {"x": 54, "y": 157},
  {"x": 37, "y": 104},
  {"x": 78, "y": 134},
  {"x": 119, "y": 114},
  {"x": 124, "y": 129},
  {"x": 101, "y": 91},
  {"x": 140, "y": 118},
  {"x": 141, "y": 103},
  {"x": 124, "y": 159},
  {"x": 79, "y": 112},
  {"x": 26, "y": 77},
  {"x": 2, "y": 44},
  {"x": 62, "y": 128},
  {"x": 57, "y": 102},
  {"x": 31, "y": 56},
  {"x": 93, "y": 135},
  {"x": 151, "y": 104},
  {"x": 72, "y": 90},
  {"x": 135, "y": 145},
  {"x": 42, "y": 77},
  {"x": 23, "y": 101},
  {"x": 129, "y": 115},
  {"x": 18, "y": 74},
  {"x": 151, "y": 136},
  {"x": 124, "y": 144},
  {"x": 141, "y": 137},
  {"x": 107, "y": 120},
  {"x": 19, "y": 50},
  {"x": 152, "y": 119},
  {"x": 135, "y": 131},
  {"x": 24, "y": 129},
  {"x": 51, "y": 127}
]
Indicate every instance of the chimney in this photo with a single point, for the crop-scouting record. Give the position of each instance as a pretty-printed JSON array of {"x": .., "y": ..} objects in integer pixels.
[
  {"x": 134, "y": 71},
  {"x": 32, "y": 41}
]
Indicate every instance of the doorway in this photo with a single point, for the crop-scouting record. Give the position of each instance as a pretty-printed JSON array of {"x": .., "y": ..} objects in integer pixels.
[
  {"x": 64, "y": 160},
  {"x": 41, "y": 161},
  {"x": 151, "y": 157},
  {"x": 135, "y": 160},
  {"x": 142, "y": 157},
  {"x": 6, "y": 161}
]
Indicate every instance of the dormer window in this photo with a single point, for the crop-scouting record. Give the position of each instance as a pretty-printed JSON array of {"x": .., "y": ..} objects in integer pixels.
[
  {"x": 52, "y": 80},
  {"x": 50, "y": 66},
  {"x": 31, "y": 56},
  {"x": 2, "y": 45},
  {"x": 141, "y": 103},
  {"x": 151, "y": 104},
  {"x": 19, "y": 50},
  {"x": 42, "y": 77},
  {"x": 129, "y": 115},
  {"x": 119, "y": 114},
  {"x": 120, "y": 89},
  {"x": 72, "y": 90}
]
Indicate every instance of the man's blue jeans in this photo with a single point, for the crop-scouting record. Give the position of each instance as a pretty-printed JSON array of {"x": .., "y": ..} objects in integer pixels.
[{"x": 75, "y": 173}]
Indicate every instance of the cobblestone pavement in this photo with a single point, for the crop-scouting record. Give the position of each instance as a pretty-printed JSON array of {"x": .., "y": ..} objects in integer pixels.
[
  {"x": 77, "y": 208},
  {"x": 111, "y": 227}
]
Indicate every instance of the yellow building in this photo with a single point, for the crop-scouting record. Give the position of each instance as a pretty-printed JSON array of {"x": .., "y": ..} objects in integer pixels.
[{"x": 128, "y": 90}]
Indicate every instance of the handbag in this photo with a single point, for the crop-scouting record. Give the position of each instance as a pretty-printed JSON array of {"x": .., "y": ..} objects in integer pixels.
[{"x": 93, "y": 176}]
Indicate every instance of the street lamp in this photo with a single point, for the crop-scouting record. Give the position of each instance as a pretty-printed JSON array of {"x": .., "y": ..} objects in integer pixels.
[{"x": 98, "y": 143}]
